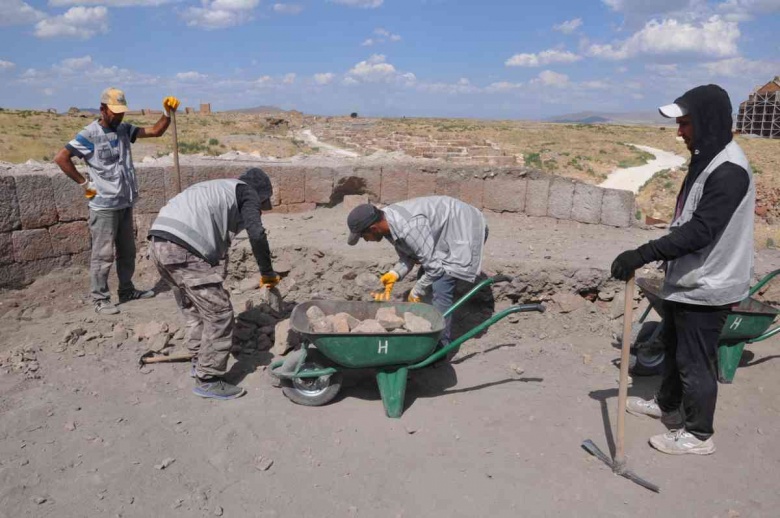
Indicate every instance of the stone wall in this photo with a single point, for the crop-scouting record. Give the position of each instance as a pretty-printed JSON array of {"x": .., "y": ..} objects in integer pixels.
[{"x": 43, "y": 214}]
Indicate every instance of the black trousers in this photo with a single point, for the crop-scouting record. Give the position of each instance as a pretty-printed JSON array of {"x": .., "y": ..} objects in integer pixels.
[{"x": 690, "y": 335}]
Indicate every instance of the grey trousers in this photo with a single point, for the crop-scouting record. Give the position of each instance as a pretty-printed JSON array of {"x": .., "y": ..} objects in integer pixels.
[{"x": 111, "y": 229}]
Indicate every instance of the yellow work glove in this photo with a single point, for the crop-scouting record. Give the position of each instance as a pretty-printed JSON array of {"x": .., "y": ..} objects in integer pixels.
[
  {"x": 89, "y": 189},
  {"x": 413, "y": 297},
  {"x": 269, "y": 281},
  {"x": 388, "y": 280},
  {"x": 170, "y": 104}
]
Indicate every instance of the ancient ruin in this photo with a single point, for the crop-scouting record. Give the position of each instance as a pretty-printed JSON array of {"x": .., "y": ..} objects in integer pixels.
[{"x": 760, "y": 114}]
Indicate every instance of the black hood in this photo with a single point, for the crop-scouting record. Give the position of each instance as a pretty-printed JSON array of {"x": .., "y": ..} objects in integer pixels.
[
  {"x": 258, "y": 180},
  {"x": 710, "y": 110}
]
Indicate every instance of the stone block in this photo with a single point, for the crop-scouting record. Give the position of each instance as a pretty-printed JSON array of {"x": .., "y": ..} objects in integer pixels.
[
  {"x": 395, "y": 184},
  {"x": 11, "y": 275},
  {"x": 30, "y": 245},
  {"x": 292, "y": 186},
  {"x": 353, "y": 200},
  {"x": 536, "y": 196},
  {"x": 70, "y": 238},
  {"x": 6, "y": 248},
  {"x": 152, "y": 189},
  {"x": 38, "y": 268},
  {"x": 447, "y": 185},
  {"x": 471, "y": 192},
  {"x": 280, "y": 209},
  {"x": 69, "y": 199},
  {"x": 34, "y": 194},
  {"x": 617, "y": 208},
  {"x": 586, "y": 205},
  {"x": 561, "y": 198},
  {"x": 505, "y": 195},
  {"x": 300, "y": 207},
  {"x": 318, "y": 185},
  {"x": 421, "y": 184},
  {"x": 9, "y": 207}
]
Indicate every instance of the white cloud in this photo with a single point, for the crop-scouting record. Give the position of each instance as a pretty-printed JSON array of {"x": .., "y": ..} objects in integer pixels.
[
  {"x": 364, "y": 4},
  {"x": 219, "y": 14},
  {"x": 595, "y": 85},
  {"x": 545, "y": 57},
  {"x": 568, "y": 26},
  {"x": 17, "y": 12},
  {"x": 550, "y": 78},
  {"x": 374, "y": 69},
  {"x": 291, "y": 9},
  {"x": 111, "y": 3},
  {"x": 649, "y": 7},
  {"x": 74, "y": 64},
  {"x": 350, "y": 81},
  {"x": 741, "y": 67},
  {"x": 462, "y": 86},
  {"x": 503, "y": 86},
  {"x": 77, "y": 22},
  {"x": 190, "y": 76},
  {"x": 48, "y": 92},
  {"x": 381, "y": 36},
  {"x": 81, "y": 70},
  {"x": 368, "y": 42},
  {"x": 662, "y": 69},
  {"x": 6, "y": 65},
  {"x": 714, "y": 37},
  {"x": 324, "y": 78},
  {"x": 289, "y": 79},
  {"x": 745, "y": 9}
]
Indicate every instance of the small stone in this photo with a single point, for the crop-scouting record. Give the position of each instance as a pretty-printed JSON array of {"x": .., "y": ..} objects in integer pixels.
[
  {"x": 587, "y": 359},
  {"x": 24, "y": 462},
  {"x": 415, "y": 324},
  {"x": 369, "y": 326},
  {"x": 248, "y": 285},
  {"x": 264, "y": 463},
  {"x": 70, "y": 426},
  {"x": 389, "y": 319},
  {"x": 317, "y": 320},
  {"x": 410, "y": 429},
  {"x": 218, "y": 511},
  {"x": 39, "y": 500},
  {"x": 159, "y": 342},
  {"x": 150, "y": 329},
  {"x": 165, "y": 463},
  {"x": 178, "y": 503},
  {"x": 516, "y": 369}
]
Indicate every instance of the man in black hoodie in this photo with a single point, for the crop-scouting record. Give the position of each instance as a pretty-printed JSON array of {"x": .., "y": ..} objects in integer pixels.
[
  {"x": 190, "y": 240},
  {"x": 708, "y": 256}
]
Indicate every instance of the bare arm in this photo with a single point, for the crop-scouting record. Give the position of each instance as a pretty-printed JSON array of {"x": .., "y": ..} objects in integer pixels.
[
  {"x": 64, "y": 159},
  {"x": 157, "y": 130}
]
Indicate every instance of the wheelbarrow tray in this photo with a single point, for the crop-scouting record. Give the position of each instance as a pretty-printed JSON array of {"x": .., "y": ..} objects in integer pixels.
[
  {"x": 365, "y": 350},
  {"x": 747, "y": 320}
]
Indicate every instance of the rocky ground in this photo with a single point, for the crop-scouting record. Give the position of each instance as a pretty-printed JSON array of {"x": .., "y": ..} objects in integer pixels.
[{"x": 87, "y": 432}]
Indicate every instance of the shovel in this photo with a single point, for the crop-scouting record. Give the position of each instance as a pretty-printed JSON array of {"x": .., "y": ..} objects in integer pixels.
[
  {"x": 176, "y": 153},
  {"x": 618, "y": 464}
]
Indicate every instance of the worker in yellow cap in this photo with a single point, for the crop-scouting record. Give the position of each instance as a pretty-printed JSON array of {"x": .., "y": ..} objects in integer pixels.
[{"x": 112, "y": 190}]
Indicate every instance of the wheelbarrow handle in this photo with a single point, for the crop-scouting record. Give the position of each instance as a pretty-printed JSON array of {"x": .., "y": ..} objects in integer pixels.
[
  {"x": 768, "y": 277},
  {"x": 475, "y": 331},
  {"x": 487, "y": 282}
]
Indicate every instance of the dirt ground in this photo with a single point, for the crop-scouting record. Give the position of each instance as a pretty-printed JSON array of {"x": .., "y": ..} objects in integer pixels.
[{"x": 86, "y": 432}]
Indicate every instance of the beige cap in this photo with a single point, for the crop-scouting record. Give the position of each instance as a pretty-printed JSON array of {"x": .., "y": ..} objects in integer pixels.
[{"x": 114, "y": 98}]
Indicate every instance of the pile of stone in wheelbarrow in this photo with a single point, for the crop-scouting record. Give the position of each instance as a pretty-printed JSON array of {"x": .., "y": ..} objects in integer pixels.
[{"x": 387, "y": 320}]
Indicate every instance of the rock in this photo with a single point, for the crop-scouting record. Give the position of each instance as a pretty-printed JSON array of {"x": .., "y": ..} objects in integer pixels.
[
  {"x": 218, "y": 511},
  {"x": 120, "y": 334},
  {"x": 247, "y": 285},
  {"x": 165, "y": 463},
  {"x": 415, "y": 324},
  {"x": 587, "y": 359},
  {"x": 70, "y": 426},
  {"x": 606, "y": 295},
  {"x": 369, "y": 326},
  {"x": 284, "y": 338},
  {"x": 39, "y": 500},
  {"x": 618, "y": 305},
  {"x": 516, "y": 369},
  {"x": 274, "y": 299},
  {"x": 368, "y": 281},
  {"x": 339, "y": 323},
  {"x": 568, "y": 302},
  {"x": 282, "y": 267},
  {"x": 180, "y": 334},
  {"x": 149, "y": 330},
  {"x": 243, "y": 332},
  {"x": 318, "y": 323},
  {"x": 389, "y": 319},
  {"x": 159, "y": 342},
  {"x": 264, "y": 463},
  {"x": 41, "y": 313},
  {"x": 72, "y": 335}
]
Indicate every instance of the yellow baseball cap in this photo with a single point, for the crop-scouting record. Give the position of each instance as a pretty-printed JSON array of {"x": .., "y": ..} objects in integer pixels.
[{"x": 114, "y": 98}]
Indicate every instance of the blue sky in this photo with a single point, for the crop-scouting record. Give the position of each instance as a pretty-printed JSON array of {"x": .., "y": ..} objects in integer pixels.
[{"x": 486, "y": 59}]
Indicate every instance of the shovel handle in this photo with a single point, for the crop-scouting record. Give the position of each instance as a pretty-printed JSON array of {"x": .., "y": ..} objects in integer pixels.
[
  {"x": 628, "y": 310},
  {"x": 176, "y": 153}
]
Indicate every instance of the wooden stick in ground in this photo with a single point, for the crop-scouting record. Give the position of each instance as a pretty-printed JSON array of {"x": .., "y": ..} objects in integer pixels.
[
  {"x": 620, "y": 452},
  {"x": 176, "y": 153}
]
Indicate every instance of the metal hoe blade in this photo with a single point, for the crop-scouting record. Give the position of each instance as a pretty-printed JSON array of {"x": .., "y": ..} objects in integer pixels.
[{"x": 618, "y": 469}]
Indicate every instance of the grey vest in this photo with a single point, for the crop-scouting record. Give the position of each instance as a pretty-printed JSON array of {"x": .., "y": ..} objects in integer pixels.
[
  {"x": 458, "y": 232},
  {"x": 719, "y": 273},
  {"x": 205, "y": 216}
]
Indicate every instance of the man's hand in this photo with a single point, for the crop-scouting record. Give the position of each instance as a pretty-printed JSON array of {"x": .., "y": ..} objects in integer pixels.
[
  {"x": 414, "y": 298},
  {"x": 170, "y": 104},
  {"x": 269, "y": 281},
  {"x": 388, "y": 280},
  {"x": 89, "y": 189},
  {"x": 625, "y": 264}
]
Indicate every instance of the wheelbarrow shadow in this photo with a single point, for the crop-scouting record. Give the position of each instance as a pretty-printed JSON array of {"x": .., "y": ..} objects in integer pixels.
[{"x": 644, "y": 387}]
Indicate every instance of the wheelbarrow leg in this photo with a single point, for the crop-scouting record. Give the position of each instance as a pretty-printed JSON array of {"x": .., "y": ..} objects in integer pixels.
[
  {"x": 392, "y": 388},
  {"x": 728, "y": 361}
]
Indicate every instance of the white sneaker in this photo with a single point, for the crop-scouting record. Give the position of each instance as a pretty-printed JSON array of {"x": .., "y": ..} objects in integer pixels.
[
  {"x": 649, "y": 407},
  {"x": 680, "y": 442}
]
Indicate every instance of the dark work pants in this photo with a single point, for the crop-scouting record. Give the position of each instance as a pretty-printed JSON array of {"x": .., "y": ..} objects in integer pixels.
[{"x": 690, "y": 336}]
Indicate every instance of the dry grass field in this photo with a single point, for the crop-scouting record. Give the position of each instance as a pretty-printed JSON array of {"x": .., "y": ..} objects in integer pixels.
[{"x": 584, "y": 152}]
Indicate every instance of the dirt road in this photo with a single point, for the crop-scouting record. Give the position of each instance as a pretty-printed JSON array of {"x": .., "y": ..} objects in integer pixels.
[
  {"x": 633, "y": 178},
  {"x": 497, "y": 434}
]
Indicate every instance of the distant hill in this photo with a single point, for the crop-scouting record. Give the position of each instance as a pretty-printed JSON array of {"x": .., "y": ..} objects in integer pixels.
[
  {"x": 589, "y": 117},
  {"x": 256, "y": 109}
]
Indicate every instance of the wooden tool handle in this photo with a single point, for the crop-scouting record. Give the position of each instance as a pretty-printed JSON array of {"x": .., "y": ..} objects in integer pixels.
[
  {"x": 176, "y": 357},
  {"x": 176, "y": 153},
  {"x": 625, "y": 352}
]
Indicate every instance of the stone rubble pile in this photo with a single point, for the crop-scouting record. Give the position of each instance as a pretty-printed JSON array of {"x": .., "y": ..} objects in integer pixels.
[{"x": 386, "y": 320}]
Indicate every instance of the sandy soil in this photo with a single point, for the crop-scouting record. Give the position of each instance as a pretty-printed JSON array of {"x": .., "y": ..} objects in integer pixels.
[
  {"x": 633, "y": 178},
  {"x": 496, "y": 434}
]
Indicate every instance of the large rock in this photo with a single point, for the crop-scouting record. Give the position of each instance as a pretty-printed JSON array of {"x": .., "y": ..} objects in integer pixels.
[
  {"x": 368, "y": 281},
  {"x": 369, "y": 326},
  {"x": 415, "y": 324},
  {"x": 9, "y": 208},
  {"x": 568, "y": 302},
  {"x": 285, "y": 338},
  {"x": 37, "y": 208},
  {"x": 30, "y": 245},
  {"x": 257, "y": 317},
  {"x": 343, "y": 322},
  {"x": 389, "y": 319},
  {"x": 318, "y": 323}
]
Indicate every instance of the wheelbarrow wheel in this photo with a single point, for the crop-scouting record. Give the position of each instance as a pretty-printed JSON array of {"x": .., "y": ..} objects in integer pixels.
[
  {"x": 646, "y": 359},
  {"x": 312, "y": 391}
]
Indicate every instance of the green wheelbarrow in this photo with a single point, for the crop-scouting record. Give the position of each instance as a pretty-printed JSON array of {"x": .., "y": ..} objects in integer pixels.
[
  {"x": 315, "y": 377},
  {"x": 749, "y": 322}
]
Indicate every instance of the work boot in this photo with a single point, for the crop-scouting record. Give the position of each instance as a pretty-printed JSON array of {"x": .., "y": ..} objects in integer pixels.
[
  {"x": 649, "y": 407},
  {"x": 217, "y": 388},
  {"x": 105, "y": 307},
  {"x": 680, "y": 442},
  {"x": 134, "y": 294}
]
